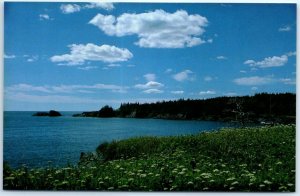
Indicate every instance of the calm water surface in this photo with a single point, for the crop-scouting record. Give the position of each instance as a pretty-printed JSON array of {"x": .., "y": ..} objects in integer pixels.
[{"x": 34, "y": 140}]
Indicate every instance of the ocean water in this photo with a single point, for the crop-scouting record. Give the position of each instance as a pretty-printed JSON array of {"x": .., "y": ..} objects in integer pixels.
[{"x": 35, "y": 141}]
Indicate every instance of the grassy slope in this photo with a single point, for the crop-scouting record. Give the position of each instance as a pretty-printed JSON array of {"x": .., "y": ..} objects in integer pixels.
[{"x": 249, "y": 159}]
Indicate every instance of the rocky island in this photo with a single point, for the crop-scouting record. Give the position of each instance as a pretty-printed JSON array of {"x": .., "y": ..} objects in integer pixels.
[{"x": 51, "y": 113}]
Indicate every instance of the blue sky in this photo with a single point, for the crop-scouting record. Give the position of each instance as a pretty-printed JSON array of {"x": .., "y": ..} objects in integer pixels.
[{"x": 82, "y": 56}]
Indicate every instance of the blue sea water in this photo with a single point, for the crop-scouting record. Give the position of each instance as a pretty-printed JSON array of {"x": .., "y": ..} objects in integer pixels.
[{"x": 35, "y": 140}]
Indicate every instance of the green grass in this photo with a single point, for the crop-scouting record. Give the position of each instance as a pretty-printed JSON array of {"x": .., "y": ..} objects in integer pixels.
[{"x": 246, "y": 159}]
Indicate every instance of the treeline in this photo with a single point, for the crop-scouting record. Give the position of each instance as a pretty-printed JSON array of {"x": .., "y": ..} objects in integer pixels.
[{"x": 275, "y": 108}]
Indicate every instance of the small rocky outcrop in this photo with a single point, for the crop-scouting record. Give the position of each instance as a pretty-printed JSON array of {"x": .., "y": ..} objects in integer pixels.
[
  {"x": 104, "y": 112},
  {"x": 51, "y": 113}
]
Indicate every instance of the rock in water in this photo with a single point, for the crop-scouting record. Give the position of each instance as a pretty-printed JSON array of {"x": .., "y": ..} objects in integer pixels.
[
  {"x": 51, "y": 113},
  {"x": 54, "y": 113}
]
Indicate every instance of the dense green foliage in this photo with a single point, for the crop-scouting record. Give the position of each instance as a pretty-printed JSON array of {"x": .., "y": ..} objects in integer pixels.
[
  {"x": 276, "y": 108},
  {"x": 245, "y": 159}
]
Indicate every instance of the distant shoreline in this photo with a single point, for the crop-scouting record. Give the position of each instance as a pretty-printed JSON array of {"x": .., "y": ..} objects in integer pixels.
[{"x": 261, "y": 108}]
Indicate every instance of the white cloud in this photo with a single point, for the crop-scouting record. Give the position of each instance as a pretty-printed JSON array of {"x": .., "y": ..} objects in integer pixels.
[
  {"x": 209, "y": 92},
  {"x": 168, "y": 70},
  {"x": 156, "y": 29},
  {"x": 221, "y": 57},
  {"x": 254, "y": 88},
  {"x": 288, "y": 81},
  {"x": 90, "y": 52},
  {"x": 149, "y": 85},
  {"x": 208, "y": 78},
  {"x": 210, "y": 41},
  {"x": 36, "y": 99},
  {"x": 130, "y": 65},
  {"x": 177, "y": 92},
  {"x": 275, "y": 61},
  {"x": 86, "y": 68},
  {"x": 102, "y": 5},
  {"x": 284, "y": 28},
  {"x": 70, "y": 8},
  {"x": 33, "y": 58},
  {"x": 254, "y": 80},
  {"x": 249, "y": 62},
  {"x": 113, "y": 65},
  {"x": 9, "y": 56},
  {"x": 153, "y": 91},
  {"x": 150, "y": 77},
  {"x": 243, "y": 71},
  {"x": 291, "y": 53},
  {"x": 27, "y": 87},
  {"x": 184, "y": 75},
  {"x": 64, "y": 88},
  {"x": 23, "y": 97},
  {"x": 45, "y": 17}
]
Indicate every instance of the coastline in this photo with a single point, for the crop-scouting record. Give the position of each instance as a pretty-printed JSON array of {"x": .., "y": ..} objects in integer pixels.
[{"x": 204, "y": 162}]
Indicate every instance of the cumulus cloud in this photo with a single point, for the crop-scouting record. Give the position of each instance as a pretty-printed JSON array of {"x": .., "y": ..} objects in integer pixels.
[
  {"x": 249, "y": 62},
  {"x": 153, "y": 91},
  {"x": 177, "y": 92},
  {"x": 184, "y": 75},
  {"x": 70, "y": 8},
  {"x": 253, "y": 80},
  {"x": 150, "y": 77},
  {"x": 284, "y": 28},
  {"x": 209, "y": 92},
  {"x": 90, "y": 52},
  {"x": 45, "y": 17},
  {"x": 102, "y": 5},
  {"x": 149, "y": 85},
  {"x": 156, "y": 29},
  {"x": 275, "y": 61}
]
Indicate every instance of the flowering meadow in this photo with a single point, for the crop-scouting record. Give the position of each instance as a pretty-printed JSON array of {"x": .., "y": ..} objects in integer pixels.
[{"x": 256, "y": 159}]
